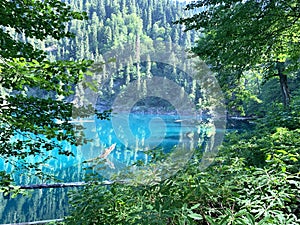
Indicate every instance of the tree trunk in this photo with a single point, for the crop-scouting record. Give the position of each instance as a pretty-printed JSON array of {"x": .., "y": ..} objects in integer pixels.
[
  {"x": 284, "y": 89},
  {"x": 283, "y": 84}
]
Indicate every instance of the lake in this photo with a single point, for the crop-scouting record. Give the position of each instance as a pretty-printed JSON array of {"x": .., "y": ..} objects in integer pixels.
[{"x": 133, "y": 135}]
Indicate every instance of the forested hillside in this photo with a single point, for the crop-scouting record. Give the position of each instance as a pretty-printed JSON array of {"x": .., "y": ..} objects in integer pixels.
[{"x": 113, "y": 23}]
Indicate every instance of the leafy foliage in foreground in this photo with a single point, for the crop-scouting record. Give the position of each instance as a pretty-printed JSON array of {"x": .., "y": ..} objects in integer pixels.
[
  {"x": 254, "y": 180},
  {"x": 246, "y": 35},
  {"x": 34, "y": 114}
]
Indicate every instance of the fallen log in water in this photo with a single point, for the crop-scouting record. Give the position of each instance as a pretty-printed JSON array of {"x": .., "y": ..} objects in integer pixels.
[
  {"x": 63, "y": 185},
  {"x": 36, "y": 222},
  {"x": 242, "y": 118},
  {"x": 57, "y": 185}
]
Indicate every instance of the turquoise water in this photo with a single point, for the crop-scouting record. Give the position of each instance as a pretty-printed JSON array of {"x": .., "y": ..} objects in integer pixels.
[{"x": 133, "y": 135}]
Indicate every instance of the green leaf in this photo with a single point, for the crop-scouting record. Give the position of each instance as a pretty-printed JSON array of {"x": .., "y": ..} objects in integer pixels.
[
  {"x": 195, "y": 206},
  {"x": 195, "y": 216}
]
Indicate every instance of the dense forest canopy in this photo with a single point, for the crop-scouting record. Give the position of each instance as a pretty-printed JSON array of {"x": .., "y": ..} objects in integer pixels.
[
  {"x": 241, "y": 36},
  {"x": 112, "y": 24}
]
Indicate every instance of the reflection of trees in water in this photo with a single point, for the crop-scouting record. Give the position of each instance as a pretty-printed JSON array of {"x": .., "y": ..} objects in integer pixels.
[
  {"x": 41, "y": 204},
  {"x": 52, "y": 203},
  {"x": 71, "y": 174},
  {"x": 133, "y": 147}
]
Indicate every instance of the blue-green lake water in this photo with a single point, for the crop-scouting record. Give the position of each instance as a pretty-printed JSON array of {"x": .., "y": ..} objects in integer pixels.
[{"x": 132, "y": 134}]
